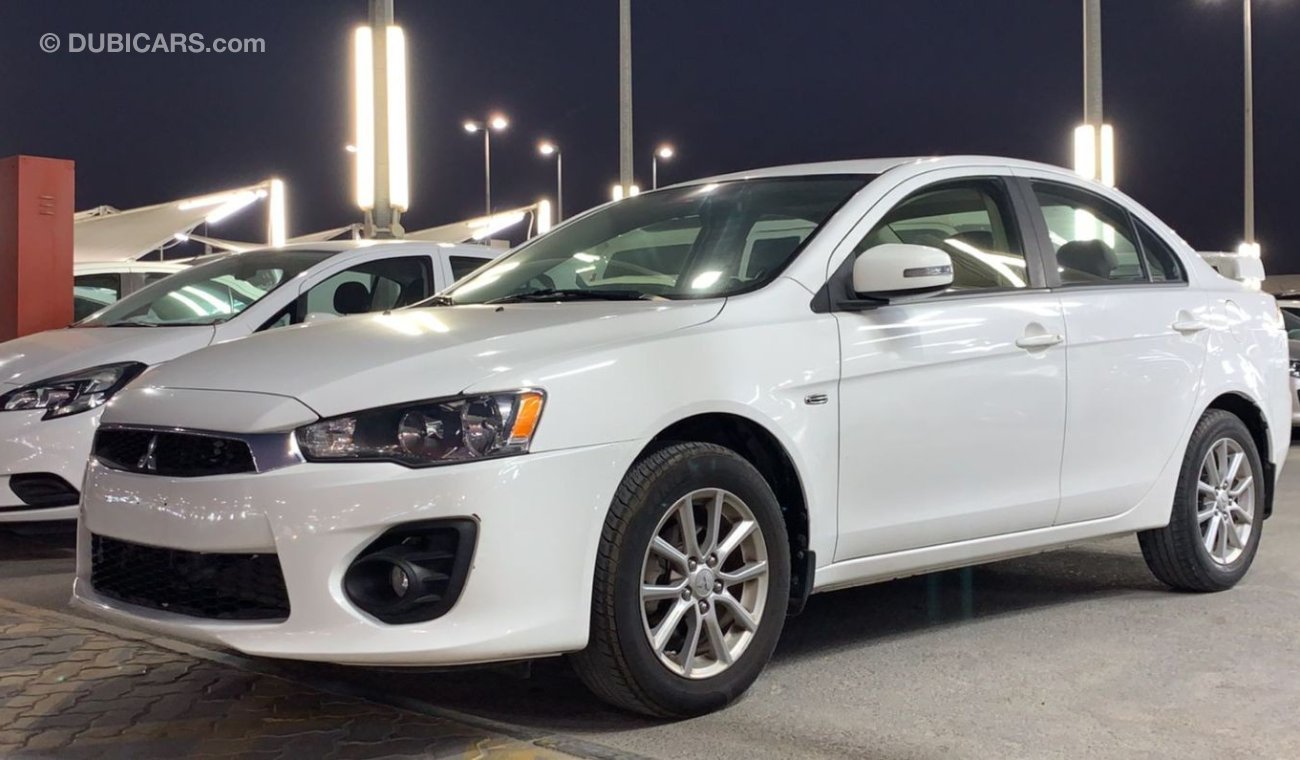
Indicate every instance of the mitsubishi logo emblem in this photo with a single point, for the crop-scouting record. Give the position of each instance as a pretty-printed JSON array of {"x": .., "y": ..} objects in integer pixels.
[{"x": 149, "y": 462}]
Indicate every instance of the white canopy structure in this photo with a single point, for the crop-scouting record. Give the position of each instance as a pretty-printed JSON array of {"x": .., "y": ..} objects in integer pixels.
[
  {"x": 107, "y": 234},
  {"x": 482, "y": 228}
]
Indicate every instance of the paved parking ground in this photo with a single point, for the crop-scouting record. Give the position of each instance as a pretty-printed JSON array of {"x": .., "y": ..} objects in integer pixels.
[{"x": 1072, "y": 653}]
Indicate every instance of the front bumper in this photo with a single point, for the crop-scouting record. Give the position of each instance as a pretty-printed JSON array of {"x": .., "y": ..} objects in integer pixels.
[
  {"x": 528, "y": 591},
  {"x": 31, "y": 445}
]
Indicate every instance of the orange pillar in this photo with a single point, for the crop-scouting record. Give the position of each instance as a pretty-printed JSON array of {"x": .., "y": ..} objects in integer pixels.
[{"x": 35, "y": 244}]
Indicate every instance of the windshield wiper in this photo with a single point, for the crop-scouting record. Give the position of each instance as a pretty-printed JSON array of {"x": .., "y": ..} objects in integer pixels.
[
  {"x": 438, "y": 300},
  {"x": 573, "y": 294}
]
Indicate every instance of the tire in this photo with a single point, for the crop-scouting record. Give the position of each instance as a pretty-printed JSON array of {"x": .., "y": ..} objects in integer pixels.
[
  {"x": 621, "y": 665},
  {"x": 1177, "y": 554}
]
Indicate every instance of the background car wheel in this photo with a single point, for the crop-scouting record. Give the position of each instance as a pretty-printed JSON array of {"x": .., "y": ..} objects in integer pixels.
[
  {"x": 691, "y": 586},
  {"x": 1213, "y": 532}
]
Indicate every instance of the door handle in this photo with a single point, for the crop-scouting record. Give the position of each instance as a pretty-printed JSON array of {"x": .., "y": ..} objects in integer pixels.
[
  {"x": 1189, "y": 326},
  {"x": 1039, "y": 341}
]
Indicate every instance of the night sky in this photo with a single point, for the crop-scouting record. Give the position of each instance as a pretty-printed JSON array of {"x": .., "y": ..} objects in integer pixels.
[{"x": 733, "y": 84}]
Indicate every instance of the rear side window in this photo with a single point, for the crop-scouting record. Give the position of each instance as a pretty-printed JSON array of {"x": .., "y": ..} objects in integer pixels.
[
  {"x": 463, "y": 265},
  {"x": 1094, "y": 239},
  {"x": 1160, "y": 259}
]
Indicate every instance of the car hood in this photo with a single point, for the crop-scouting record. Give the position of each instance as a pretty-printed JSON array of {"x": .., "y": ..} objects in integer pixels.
[
  {"x": 372, "y": 360},
  {"x": 57, "y": 352}
]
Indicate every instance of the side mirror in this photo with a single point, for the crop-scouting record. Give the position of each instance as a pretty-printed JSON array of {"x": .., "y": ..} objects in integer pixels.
[{"x": 901, "y": 269}]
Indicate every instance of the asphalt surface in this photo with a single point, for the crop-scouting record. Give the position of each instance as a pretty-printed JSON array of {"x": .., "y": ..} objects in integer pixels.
[{"x": 1072, "y": 653}]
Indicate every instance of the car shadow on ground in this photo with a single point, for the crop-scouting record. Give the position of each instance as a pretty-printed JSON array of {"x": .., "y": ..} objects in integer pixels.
[
  {"x": 38, "y": 540},
  {"x": 547, "y": 696}
]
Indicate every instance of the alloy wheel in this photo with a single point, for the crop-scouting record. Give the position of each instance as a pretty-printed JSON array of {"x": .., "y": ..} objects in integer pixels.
[
  {"x": 704, "y": 583},
  {"x": 1226, "y": 501}
]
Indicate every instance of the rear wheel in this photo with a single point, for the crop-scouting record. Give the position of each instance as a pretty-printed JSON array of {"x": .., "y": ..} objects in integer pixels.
[
  {"x": 691, "y": 586},
  {"x": 1214, "y": 529}
]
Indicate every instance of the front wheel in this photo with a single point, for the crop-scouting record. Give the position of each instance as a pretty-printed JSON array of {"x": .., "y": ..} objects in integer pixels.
[
  {"x": 1213, "y": 532},
  {"x": 691, "y": 586}
]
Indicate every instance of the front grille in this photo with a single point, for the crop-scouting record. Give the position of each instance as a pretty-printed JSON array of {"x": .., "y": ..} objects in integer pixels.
[
  {"x": 178, "y": 455},
  {"x": 206, "y": 585}
]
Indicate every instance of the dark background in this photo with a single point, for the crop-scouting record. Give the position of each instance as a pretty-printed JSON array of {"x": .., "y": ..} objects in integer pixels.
[{"x": 733, "y": 84}]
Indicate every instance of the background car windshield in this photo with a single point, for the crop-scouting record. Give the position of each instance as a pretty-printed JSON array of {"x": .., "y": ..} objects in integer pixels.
[
  {"x": 690, "y": 242},
  {"x": 208, "y": 293}
]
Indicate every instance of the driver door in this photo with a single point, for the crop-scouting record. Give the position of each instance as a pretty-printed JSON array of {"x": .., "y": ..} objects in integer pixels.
[{"x": 952, "y": 408}]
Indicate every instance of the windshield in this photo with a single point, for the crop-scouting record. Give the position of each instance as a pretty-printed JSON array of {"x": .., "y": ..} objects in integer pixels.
[
  {"x": 208, "y": 293},
  {"x": 701, "y": 241}
]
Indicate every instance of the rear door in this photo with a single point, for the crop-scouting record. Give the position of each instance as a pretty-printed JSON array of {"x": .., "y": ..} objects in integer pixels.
[{"x": 1136, "y": 337}]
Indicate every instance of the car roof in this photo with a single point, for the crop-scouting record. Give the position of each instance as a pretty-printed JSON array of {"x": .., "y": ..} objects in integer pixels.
[{"x": 875, "y": 166}]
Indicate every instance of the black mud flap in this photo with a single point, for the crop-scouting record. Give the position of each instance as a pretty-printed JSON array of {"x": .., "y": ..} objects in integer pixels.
[{"x": 801, "y": 580}]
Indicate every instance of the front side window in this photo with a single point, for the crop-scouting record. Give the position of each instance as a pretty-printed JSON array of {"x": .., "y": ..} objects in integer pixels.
[
  {"x": 371, "y": 286},
  {"x": 971, "y": 221},
  {"x": 107, "y": 284},
  {"x": 700, "y": 241},
  {"x": 1093, "y": 239},
  {"x": 208, "y": 293}
]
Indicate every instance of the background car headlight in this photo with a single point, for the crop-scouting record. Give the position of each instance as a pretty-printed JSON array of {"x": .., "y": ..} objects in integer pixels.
[
  {"x": 73, "y": 392},
  {"x": 440, "y": 431}
]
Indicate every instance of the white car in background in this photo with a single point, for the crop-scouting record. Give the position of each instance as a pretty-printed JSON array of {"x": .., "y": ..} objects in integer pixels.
[
  {"x": 53, "y": 384},
  {"x": 645, "y": 437},
  {"x": 1289, "y": 303}
]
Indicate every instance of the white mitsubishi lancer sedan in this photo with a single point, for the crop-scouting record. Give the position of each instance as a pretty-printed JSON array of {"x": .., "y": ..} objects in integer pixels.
[
  {"x": 53, "y": 384},
  {"x": 644, "y": 438}
]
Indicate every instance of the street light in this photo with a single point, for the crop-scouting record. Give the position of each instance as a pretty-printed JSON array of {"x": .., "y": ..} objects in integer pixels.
[
  {"x": 495, "y": 122},
  {"x": 548, "y": 148},
  {"x": 664, "y": 152}
]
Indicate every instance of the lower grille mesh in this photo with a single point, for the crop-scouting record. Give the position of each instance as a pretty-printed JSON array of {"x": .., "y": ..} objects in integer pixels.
[{"x": 217, "y": 586}]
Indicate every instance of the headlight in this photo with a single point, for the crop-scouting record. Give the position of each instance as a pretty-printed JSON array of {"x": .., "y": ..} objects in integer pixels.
[
  {"x": 1295, "y": 368},
  {"x": 441, "y": 431},
  {"x": 73, "y": 392}
]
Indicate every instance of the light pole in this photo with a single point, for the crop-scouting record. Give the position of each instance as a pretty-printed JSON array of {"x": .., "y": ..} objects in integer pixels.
[
  {"x": 495, "y": 122},
  {"x": 625, "y": 157},
  {"x": 548, "y": 148},
  {"x": 1249, "y": 246},
  {"x": 1094, "y": 140},
  {"x": 664, "y": 152}
]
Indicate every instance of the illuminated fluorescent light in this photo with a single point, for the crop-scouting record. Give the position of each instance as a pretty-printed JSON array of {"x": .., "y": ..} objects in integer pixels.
[
  {"x": 364, "y": 89},
  {"x": 1249, "y": 250},
  {"x": 490, "y": 225},
  {"x": 1085, "y": 151},
  {"x": 215, "y": 199},
  {"x": 239, "y": 201},
  {"x": 276, "y": 223},
  {"x": 1107, "y": 155},
  {"x": 616, "y": 193},
  {"x": 399, "y": 182},
  {"x": 544, "y": 219}
]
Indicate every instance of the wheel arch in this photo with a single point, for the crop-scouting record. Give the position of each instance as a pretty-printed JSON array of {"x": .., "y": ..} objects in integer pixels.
[
  {"x": 761, "y": 448},
  {"x": 1252, "y": 416}
]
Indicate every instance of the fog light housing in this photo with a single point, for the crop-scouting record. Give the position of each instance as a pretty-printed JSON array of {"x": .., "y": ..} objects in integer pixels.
[{"x": 413, "y": 573}]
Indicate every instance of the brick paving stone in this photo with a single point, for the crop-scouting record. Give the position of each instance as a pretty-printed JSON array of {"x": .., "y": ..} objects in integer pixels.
[{"x": 73, "y": 691}]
